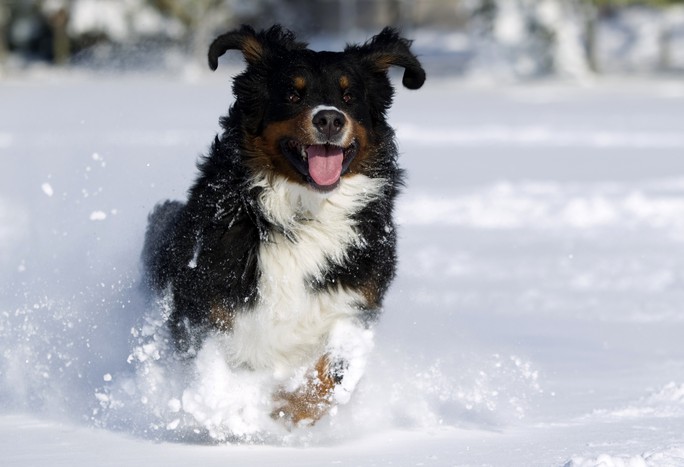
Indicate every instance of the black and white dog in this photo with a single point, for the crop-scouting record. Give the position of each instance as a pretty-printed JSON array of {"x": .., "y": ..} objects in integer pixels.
[{"x": 286, "y": 243}]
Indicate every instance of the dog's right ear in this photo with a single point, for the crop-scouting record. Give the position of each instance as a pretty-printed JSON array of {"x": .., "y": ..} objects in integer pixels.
[
  {"x": 256, "y": 47},
  {"x": 244, "y": 39}
]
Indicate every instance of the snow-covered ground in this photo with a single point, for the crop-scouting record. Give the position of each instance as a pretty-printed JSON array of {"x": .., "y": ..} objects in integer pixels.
[{"x": 537, "y": 318}]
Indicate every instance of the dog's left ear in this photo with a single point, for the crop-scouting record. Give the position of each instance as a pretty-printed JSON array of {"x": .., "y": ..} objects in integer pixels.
[{"x": 390, "y": 49}]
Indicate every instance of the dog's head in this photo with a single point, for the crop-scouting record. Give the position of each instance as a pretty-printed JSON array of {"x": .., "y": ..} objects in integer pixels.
[{"x": 314, "y": 117}]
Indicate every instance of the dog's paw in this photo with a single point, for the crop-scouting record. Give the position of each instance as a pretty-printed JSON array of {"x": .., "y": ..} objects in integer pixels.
[{"x": 312, "y": 400}]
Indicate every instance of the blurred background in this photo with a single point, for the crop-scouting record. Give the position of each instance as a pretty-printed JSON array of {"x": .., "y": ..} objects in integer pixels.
[{"x": 518, "y": 39}]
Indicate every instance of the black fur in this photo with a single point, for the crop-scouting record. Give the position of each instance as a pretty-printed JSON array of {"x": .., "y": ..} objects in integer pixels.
[
  {"x": 206, "y": 250},
  {"x": 221, "y": 219}
]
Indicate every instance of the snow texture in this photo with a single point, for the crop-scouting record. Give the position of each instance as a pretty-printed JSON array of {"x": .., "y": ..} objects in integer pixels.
[{"x": 536, "y": 318}]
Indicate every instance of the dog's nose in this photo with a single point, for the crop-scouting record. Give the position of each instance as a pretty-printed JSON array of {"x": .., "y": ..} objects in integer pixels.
[{"x": 329, "y": 122}]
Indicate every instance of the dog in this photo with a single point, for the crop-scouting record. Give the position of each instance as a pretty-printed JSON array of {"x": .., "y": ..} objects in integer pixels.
[{"x": 286, "y": 243}]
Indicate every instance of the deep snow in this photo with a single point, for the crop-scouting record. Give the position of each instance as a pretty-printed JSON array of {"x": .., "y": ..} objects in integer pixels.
[{"x": 536, "y": 319}]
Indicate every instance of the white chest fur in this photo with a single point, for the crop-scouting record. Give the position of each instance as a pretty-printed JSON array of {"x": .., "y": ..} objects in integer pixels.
[{"x": 290, "y": 323}]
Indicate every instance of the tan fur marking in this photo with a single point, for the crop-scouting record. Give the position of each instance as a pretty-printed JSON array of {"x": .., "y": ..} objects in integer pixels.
[
  {"x": 364, "y": 154},
  {"x": 384, "y": 61},
  {"x": 372, "y": 295},
  {"x": 265, "y": 154},
  {"x": 309, "y": 402},
  {"x": 222, "y": 318},
  {"x": 344, "y": 82},
  {"x": 252, "y": 49},
  {"x": 299, "y": 83}
]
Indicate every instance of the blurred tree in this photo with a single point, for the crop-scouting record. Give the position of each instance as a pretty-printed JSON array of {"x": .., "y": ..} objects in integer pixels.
[
  {"x": 604, "y": 8},
  {"x": 200, "y": 18},
  {"x": 589, "y": 14},
  {"x": 4, "y": 21},
  {"x": 27, "y": 30},
  {"x": 561, "y": 36},
  {"x": 57, "y": 13},
  {"x": 534, "y": 36},
  {"x": 622, "y": 3}
]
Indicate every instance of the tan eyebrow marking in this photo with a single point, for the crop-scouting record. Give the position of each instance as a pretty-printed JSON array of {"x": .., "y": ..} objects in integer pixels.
[
  {"x": 299, "y": 83},
  {"x": 344, "y": 81}
]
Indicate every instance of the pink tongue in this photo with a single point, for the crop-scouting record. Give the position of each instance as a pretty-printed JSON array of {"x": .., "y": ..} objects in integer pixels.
[{"x": 325, "y": 163}]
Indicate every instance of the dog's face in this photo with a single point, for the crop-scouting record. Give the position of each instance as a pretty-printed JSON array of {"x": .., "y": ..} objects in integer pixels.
[{"x": 314, "y": 117}]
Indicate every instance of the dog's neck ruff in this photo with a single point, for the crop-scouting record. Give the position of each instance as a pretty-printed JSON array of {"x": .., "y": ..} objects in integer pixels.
[
  {"x": 290, "y": 320},
  {"x": 295, "y": 208}
]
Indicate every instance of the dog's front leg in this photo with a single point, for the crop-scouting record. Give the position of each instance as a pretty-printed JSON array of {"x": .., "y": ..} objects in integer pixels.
[
  {"x": 333, "y": 378},
  {"x": 311, "y": 400}
]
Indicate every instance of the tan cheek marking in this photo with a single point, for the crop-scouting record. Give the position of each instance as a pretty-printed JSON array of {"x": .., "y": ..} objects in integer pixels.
[
  {"x": 264, "y": 152},
  {"x": 365, "y": 153}
]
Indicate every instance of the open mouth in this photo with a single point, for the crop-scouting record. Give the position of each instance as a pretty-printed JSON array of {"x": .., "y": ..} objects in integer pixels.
[{"x": 322, "y": 165}]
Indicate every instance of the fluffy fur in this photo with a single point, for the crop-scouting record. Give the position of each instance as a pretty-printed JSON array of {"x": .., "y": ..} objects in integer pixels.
[{"x": 286, "y": 243}]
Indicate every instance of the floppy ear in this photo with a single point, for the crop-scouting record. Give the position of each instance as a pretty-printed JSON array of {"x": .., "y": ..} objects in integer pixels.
[
  {"x": 244, "y": 39},
  {"x": 389, "y": 48},
  {"x": 255, "y": 46}
]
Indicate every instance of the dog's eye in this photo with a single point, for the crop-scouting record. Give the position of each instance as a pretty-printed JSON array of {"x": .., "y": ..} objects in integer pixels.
[
  {"x": 347, "y": 98},
  {"x": 294, "y": 97}
]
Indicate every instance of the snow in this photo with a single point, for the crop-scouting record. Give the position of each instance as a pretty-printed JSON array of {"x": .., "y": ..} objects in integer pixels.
[
  {"x": 536, "y": 318},
  {"x": 47, "y": 189},
  {"x": 98, "y": 216}
]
